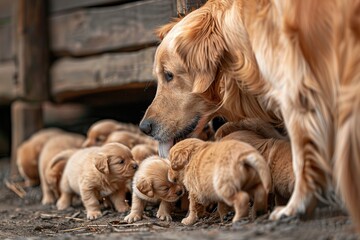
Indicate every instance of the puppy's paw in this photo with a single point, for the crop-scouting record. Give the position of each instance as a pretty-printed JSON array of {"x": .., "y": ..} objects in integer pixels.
[
  {"x": 122, "y": 208},
  {"x": 188, "y": 221},
  {"x": 164, "y": 216},
  {"x": 133, "y": 217},
  {"x": 91, "y": 215},
  {"x": 47, "y": 200},
  {"x": 60, "y": 205},
  {"x": 283, "y": 212}
]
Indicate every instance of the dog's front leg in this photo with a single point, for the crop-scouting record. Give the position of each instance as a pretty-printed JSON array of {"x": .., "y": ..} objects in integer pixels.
[
  {"x": 137, "y": 209},
  {"x": 118, "y": 199},
  {"x": 164, "y": 211},
  {"x": 193, "y": 211},
  {"x": 91, "y": 203}
]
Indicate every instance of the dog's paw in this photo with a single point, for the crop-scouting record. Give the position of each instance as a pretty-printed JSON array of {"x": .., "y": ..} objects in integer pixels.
[
  {"x": 188, "y": 221},
  {"x": 61, "y": 205},
  {"x": 133, "y": 217},
  {"x": 91, "y": 215},
  {"x": 47, "y": 200},
  {"x": 163, "y": 216},
  {"x": 283, "y": 212}
]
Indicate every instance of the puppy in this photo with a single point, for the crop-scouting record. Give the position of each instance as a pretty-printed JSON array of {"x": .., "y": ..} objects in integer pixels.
[
  {"x": 28, "y": 155},
  {"x": 142, "y": 151},
  {"x": 277, "y": 153},
  {"x": 95, "y": 173},
  {"x": 227, "y": 172},
  {"x": 150, "y": 184},
  {"x": 130, "y": 139},
  {"x": 54, "y": 146},
  {"x": 100, "y": 130}
]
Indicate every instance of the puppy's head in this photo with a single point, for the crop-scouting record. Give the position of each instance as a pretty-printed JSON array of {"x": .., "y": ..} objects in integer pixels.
[
  {"x": 142, "y": 151},
  {"x": 181, "y": 152},
  {"x": 99, "y": 131},
  {"x": 116, "y": 161},
  {"x": 127, "y": 138},
  {"x": 153, "y": 181}
]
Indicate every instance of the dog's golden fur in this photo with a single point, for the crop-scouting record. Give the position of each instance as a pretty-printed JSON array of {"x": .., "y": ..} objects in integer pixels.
[
  {"x": 100, "y": 130},
  {"x": 97, "y": 172},
  {"x": 299, "y": 57},
  {"x": 277, "y": 153},
  {"x": 150, "y": 184},
  {"x": 227, "y": 172},
  {"x": 130, "y": 139},
  {"x": 143, "y": 151},
  {"x": 28, "y": 153},
  {"x": 52, "y": 147}
]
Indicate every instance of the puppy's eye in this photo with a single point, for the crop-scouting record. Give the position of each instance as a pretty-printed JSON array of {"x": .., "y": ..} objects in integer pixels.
[
  {"x": 121, "y": 161},
  {"x": 168, "y": 76}
]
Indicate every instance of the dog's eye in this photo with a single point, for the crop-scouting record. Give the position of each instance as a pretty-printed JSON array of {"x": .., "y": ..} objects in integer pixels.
[
  {"x": 168, "y": 76},
  {"x": 121, "y": 161}
]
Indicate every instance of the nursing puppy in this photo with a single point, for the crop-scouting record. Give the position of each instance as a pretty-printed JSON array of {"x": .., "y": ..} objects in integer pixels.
[
  {"x": 28, "y": 155},
  {"x": 100, "y": 130},
  {"x": 95, "y": 173},
  {"x": 227, "y": 172},
  {"x": 54, "y": 146},
  {"x": 151, "y": 184},
  {"x": 130, "y": 139},
  {"x": 142, "y": 151},
  {"x": 276, "y": 152}
]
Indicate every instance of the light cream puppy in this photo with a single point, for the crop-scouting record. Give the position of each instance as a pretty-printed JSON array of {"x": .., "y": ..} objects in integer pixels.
[
  {"x": 228, "y": 172},
  {"x": 28, "y": 155},
  {"x": 143, "y": 151},
  {"x": 95, "y": 173},
  {"x": 100, "y": 130},
  {"x": 54, "y": 146},
  {"x": 151, "y": 184},
  {"x": 130, "y": 139}
]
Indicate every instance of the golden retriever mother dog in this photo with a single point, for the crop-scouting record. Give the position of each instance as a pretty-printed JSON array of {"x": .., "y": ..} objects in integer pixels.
[{"x": 296, "y": 62}]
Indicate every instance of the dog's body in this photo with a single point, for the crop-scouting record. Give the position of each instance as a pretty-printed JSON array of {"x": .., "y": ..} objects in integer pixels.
[
  {"x": 54, "y": 146},
  {"x": 227, "y": 172},
  {"x": 277, "y": 153},
  {"x": 150, "y": 184},
  {"x": 97, "y": 172},
  {"x": 28, "y": 155},
  {"x": 300, "y": 59}
]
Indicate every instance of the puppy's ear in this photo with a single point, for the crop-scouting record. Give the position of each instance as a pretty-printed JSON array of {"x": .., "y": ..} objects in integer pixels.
[
  {"x": 162, "y": 31},
  {"x": 179, "y": 157},
  {"x": 201, "y": 46},
  {"x": 145, "y": 187},
  {"x": 101, "y": 163}
]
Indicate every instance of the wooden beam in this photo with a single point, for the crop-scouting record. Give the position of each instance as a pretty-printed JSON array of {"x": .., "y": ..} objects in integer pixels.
[
  {"x": 26, "y": 119},
  {"x": 66, "y": 5},
  {"x": 33, "y": 57},
  {"x": 97, "y": 30},
  {"x": 7, "y": 7},
  {"x": 186, "y": 6},
  {"x": 8, "y": 89},
  {"x": 71, "y": 76}
]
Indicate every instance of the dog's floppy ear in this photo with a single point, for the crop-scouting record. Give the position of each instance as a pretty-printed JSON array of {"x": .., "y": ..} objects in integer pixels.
[
  {"x": 201, "y": 46},
  {"x": 165, "y": 29},
  {"x": 179, "y": 157},
  {"x": 145, "y": 187},
  {"x": 101, "y": 163}
]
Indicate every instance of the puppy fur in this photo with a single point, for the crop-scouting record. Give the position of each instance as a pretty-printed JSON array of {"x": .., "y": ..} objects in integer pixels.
[
  {"x": 151, "y": 184},
  {"x": 100, "y": 130},
  {"x": 28, "y": 155},
  {"x": 54, "y": 146},
  {"x": 277, "y": 153},
  {"x": 95, "y": 173},
  {"x": 143, "y": 151},
  {"x": 228, "y": 172},
  {"x": 130, "y": 139}
]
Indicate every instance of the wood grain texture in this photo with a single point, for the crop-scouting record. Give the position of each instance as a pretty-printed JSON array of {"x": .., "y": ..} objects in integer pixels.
[
  {"x": 186, "y": 6},
  {"x": 6, "y": 39},
  {"x": 66, "y": 5},
  {"x": 95, "y": 30},
  {"x": 8, "y": 87},
  {"x": 96, "y": 74}
]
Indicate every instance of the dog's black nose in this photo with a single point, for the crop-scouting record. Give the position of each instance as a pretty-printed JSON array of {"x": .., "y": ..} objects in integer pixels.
[
  {"x": 146, "y": 126},
  {"x": 135, "y": 166},
  {"x": 179, "y": 193}
]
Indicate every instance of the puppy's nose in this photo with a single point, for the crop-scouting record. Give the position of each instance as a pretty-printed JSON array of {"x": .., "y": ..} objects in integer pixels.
[
  {"x": 135, "y": 166},
  {"x": 146, "y": 126},
  {"x": 179, "y": 193}
]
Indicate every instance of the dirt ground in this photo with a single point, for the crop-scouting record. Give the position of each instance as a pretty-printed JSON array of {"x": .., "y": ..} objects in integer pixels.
[{"x": 26, "y": 218}]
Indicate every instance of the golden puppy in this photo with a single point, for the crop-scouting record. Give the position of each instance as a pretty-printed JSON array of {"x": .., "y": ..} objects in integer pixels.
[
  {"x": 277, "y": 153},
  {"x": 100, "y": 130},
  {"x": 227, "y": 172},
  {"x": 130, "y": 139},
  {"x": 28, "y": 155},
  {"x": 54, "y": 146},
  {"x": 95, "y": 173},
  {"x": 151, "y": 184},
  {"x": 142, "y": 151}
]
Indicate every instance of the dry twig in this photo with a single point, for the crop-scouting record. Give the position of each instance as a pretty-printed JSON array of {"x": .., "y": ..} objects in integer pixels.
[{"x": 16, "y": 188}]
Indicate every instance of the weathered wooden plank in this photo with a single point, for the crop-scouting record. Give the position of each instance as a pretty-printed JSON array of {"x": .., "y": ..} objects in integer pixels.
[
  {"x": 7, "y": 8},
  {"x": 95, "y": 30},
  {"x": 186, "y": 6},
  {"x": 94, "y": 74},
  {"x": 8, "y": 89},
  {"x": 33, "y": 56},
  {"x": 66, "y": 5},
  {"x": 6, "y": 39}
]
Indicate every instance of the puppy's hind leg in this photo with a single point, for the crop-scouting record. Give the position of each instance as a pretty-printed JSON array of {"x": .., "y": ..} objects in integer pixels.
[
  {"x": 240, "y": 201},
  {"x": 260, "y": 201},
  {"x": 66, "y": 195}
]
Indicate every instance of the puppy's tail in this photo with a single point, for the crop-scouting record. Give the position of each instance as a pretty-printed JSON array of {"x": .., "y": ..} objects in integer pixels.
[
  {"x": 347, "y": 156},
  {"x": 257, "y": 162},
  {"x": 62, "y": 156}
]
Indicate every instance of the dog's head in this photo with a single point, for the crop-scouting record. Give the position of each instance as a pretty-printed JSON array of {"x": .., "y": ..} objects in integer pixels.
[
  {"x": 153, "y": 181},
  {"x": 116, "y": 161}
]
